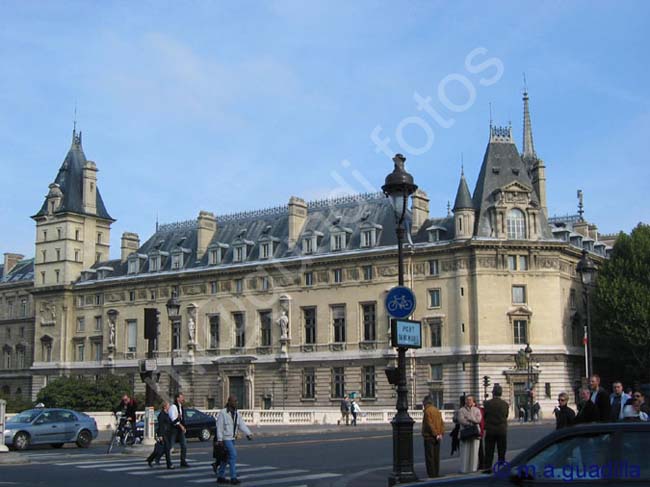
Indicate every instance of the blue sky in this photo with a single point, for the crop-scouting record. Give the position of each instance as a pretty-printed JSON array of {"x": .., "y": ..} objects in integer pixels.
[{"x": 232, "y": 106}]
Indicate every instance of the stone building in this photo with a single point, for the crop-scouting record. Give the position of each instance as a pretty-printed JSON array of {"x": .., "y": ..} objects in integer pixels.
[{"x": 284, "y": 306}]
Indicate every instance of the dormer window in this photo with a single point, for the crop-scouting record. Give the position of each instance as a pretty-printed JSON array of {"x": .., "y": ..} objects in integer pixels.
[
  {"x": 265, "y": 250},
  {"x": 369, "y": 234},
  {"x": 339, "y": 238},
  {"x": 241, "y": 247},
  {"x": 240, "y": 253},
  {"x": 154, "y": 263},
  {"x": 177, "y": 260},
  {"x": 268, "y": 245},
  {"x": 308, "y": 245},
  {"x": 216, "y": 253},
  {"x": 133, "y": 264},
  {"x": 310, "y": 241}
]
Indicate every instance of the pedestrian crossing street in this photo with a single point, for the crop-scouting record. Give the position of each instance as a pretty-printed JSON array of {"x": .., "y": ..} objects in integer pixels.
[{"x": 199, "y": 473}]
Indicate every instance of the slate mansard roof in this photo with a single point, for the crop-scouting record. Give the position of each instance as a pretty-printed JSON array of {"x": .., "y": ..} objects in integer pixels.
[
  {"x": 70, "y": 182},
  {"x": 21, "y": 272}
]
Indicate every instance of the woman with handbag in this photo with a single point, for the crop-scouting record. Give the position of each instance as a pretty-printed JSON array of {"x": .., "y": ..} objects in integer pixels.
[{"x": 469, "y": 418}]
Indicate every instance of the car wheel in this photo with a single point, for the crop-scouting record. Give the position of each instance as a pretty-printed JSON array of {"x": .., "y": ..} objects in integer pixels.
[
  {"x": 205, "y": 434},
  {"x": 21, "y": 441},
  {"x": 84, "y": 438},
  {"x": 57, "y": 445}
]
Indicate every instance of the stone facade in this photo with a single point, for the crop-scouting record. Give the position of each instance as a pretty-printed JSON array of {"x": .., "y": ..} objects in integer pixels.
[{"x": 489, "y": 279}]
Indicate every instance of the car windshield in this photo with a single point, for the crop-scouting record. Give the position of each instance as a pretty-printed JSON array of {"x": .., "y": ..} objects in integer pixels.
[{"x": 25, "y": 416}]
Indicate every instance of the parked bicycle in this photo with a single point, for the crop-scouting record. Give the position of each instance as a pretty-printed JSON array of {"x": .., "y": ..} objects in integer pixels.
[{"x": 124, "y": 434}]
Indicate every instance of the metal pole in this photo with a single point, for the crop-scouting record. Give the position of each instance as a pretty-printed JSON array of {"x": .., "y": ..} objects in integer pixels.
[
  {"x": 402, "y": 423},
  {"x": 3, "y": 409},
  {"x": 591, "y": 356},
  {"x": 585, "y": 341}
]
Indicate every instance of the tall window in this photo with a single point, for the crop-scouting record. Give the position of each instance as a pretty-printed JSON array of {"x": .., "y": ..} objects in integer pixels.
[
  {"x": 97, "y": 350},
  {"x": 81, "y": 324},
  {"x": 23, "y": 307},
  {"x": 213, "y": 287},
  {"x": 369, "y": 321},
  {"x": 307, "y": 245},
  {"x": 20, "y": 358},
  {"x": 366, "y": 238},
  {"x": 338, "y": 241},
  {"x": 434, "y": 268},
  {"x": 309, "y": 278},
  {"x": 177, "y": 261},
  {"x": 338, "y": 276},
  {"x": 519, "y": 294},
  {"x": 436, "y": 372},
  {"x": 434, "y": 298},
  {"x": 81, "y": 350},
  {"x": 239, "y": 286},
  {"x": 240, "y": 329},
  {"x": 154, "y": 264},
  {"x": 266, "y": 283},
  {"x": 47, "y": 351},
  {"x": 520, "y": 332},
  {"x": 98, "y": 323},
  {"x": 367, "y": 273},
  {"x": 238, "y": 256},
  {"x": 369, "y": 381},
  {"x": 338, "y": 319},
  {"x": 436, "y": 332},
  {"x": 308, "y": 383},
  {"x": 266, "y": 251},
  {"x": 523, "y": 262},
  {"x": 516, "y": 224},
  {"x": 131, "y": 335},
  {"x": 512, "y": 262},
  {"x": 214, "y": 331},
  {"x": 176, "y": 335},
  {"x": 310, "y": 325},
  {"x": 6, "y": 359},
  {"x": 265, "y": 328},
  {"x": 338, "y": 382}
]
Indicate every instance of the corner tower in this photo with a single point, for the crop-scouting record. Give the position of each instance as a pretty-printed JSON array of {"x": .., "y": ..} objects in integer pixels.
[
  {"x": 463, "y": 211},
  {"x": 72, "y": 226}
]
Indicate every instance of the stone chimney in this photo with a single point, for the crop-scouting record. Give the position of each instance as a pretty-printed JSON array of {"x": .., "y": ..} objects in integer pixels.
[
  {"x": 582, "y": 227},
  {"x": 593, "y": 231},
  {"x": 207, "y": 225},
  {"x": 297, "y": 219},
  {"x": 130, "y": 244},
  {"x": 10, "y": 261},
  {"x": 89, "y": 196},
  {"x": 419, "y": 210}
]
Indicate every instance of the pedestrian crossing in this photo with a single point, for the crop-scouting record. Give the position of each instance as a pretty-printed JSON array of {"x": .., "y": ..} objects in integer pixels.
[{"x": 201, "y": 472}]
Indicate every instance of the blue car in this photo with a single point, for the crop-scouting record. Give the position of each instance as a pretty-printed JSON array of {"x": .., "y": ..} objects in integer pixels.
[{"x": 50, "y": 426}]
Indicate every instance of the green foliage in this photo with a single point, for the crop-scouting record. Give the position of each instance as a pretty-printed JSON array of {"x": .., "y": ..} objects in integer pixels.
[
  {"x": 17, "y": 404},
  {"x": 621, "y": 303},
  {"x": 102, "y": 394}
]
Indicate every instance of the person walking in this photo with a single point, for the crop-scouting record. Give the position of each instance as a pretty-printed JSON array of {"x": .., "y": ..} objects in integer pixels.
[
  {"x": 229, "y": 422},
  {"x": 564, "y": 415},
  {"x": 600, "y": 398},
  {"x": 355, "y": 409},
  {"x": 617, "y": 401},
  {"x": 496, "y": 427},
  {"x": 587, "y": 411},
  {"x": 345, "y": 410},
  {"x": 164, "y": 438},
  {"x": 469, "y": 418},
  {"x": 177, "y": 417},
  {"x": 433, "y": 431}
]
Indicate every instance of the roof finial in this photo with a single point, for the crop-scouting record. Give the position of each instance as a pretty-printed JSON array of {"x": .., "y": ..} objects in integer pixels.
[
  {"x": 528, "y": 148},
  {"x": 448, "y": 208},
  {"x": 490, "y": 117},
  {"x": 462, "y": 165},
  {"x": 157, "y": 222},
  {"x": 581, "y": 210},
  {"x": 74, "y": 122}
]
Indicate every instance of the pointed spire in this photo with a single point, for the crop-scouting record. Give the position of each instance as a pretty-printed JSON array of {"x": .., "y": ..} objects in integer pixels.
[
  {"x": 463, "y": 197},
  {"x": 528, "y": 148}
]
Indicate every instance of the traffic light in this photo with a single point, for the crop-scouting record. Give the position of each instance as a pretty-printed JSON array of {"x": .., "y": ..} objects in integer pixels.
[
  {"x": 486, "y": 381},
  {"x": 151, "y": 322}
]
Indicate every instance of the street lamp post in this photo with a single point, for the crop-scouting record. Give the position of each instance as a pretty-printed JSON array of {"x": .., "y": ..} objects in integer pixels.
[
  {"x": 398, "y": 187},
  {"x": 173, "y": 313},
  {"x": 587, "y": 270},
  {"x": 529, "y": 379}
]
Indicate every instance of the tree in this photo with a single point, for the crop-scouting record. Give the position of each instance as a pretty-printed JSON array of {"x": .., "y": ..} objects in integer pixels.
[
  {"x": 621, "y": 304},
  {"x": 102, "y": 394}
]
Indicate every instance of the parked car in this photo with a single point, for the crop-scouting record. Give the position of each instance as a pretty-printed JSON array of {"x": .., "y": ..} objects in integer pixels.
[
  {"x": 199, "y": 425},
  {"x": 612, "y": 454},
  {"x": 50, "y": 426}
]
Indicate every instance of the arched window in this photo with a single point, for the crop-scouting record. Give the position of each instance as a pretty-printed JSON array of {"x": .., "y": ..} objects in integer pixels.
[{"x": 516, "y": 223}]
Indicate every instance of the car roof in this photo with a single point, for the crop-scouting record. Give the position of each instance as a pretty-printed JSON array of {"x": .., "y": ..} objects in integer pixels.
[{"x": 581, "y": 429}]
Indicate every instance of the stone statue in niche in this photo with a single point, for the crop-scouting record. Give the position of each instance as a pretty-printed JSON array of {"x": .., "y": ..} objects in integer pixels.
[
  {"x": 191, "y": 329},
  {"x": 111, "y": 333},
  {"x": 283, "y": 321}
]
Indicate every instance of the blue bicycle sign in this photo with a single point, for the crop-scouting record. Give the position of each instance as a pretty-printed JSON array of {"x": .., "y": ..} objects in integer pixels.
[{"x": 400, "y": 302}]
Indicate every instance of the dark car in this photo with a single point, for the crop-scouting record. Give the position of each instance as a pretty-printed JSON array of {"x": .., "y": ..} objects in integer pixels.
[
  {"x": 595, "y": 454},
  {"x": 49, "y": 426},
  {"x": 199, "y": 425}
]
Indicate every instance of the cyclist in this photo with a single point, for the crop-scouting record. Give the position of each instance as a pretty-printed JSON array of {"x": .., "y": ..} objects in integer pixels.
[{"x": 127, "y": 410}]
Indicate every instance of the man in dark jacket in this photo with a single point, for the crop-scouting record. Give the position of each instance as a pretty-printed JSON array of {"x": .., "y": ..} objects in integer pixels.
[
  {"x": 177, "y": 416},
  {"x": 564, "y": 415},
  {"x": 496, "y": 427},
  {"x": 127, "y": 407},
  {"x": 588, "y": 412},
  {"x": 164, "y": 437},
  {"x": 600, "y": 398}
]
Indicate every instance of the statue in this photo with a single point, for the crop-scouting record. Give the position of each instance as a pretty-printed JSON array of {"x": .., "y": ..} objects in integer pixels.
[
  {"x": 283, "y": 321},
  {"x": 191, "y": 329},
  {"x": 111, "y": 333},
  {"x": 520, "y": 360}
]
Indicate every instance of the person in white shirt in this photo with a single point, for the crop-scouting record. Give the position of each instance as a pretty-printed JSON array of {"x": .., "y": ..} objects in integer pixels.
[
  {"x": 229, "y": 423},
  {"x": 177, "y": 415}
]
